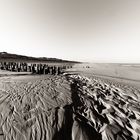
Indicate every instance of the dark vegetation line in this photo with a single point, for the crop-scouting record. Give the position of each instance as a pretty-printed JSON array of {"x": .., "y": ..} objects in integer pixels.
[{"x": 14, "y": 57}]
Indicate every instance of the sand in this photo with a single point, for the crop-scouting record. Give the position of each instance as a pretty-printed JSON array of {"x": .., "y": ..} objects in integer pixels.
[
  {"x": 29, "y": 105},
  {"x": 111, "y": 112},
  {"x": 73, "y": 106}
]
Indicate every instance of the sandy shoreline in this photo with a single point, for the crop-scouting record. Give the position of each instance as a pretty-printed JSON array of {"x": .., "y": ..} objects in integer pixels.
[{"x": 67, "y": 107}]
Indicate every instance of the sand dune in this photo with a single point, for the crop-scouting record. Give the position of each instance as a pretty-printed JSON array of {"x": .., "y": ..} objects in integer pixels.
[{"x": 67, "y": 107}]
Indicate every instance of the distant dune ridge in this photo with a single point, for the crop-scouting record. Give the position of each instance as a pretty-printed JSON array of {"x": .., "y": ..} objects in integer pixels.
[
  {"x": 15, "y": 57},
  {"x": 66, "y": 107}
]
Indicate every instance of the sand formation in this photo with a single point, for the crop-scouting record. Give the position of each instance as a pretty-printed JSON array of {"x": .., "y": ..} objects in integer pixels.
[
  {"x": 69, "y": 107},
  {"x": 111, "y": 112},
  {"x": 34, "y": 68}
]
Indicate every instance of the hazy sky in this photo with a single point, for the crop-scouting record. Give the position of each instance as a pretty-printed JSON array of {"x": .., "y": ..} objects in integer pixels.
[{"x": 85, "y": 30}]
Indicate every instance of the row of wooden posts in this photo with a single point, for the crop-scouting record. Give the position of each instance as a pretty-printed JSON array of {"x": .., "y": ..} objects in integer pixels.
[{"x": 33, "y": 68}]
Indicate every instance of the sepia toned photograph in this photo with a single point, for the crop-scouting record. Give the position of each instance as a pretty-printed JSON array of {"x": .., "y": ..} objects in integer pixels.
[{"x": 69, "y": 69}]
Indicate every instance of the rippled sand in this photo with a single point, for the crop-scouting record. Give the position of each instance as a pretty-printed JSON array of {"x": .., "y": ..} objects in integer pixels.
[
  {"x": 30, "y": 106},
  {"x": 67, "y": 107}
]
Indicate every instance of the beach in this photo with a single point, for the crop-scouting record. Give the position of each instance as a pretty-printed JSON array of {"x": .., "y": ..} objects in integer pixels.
[{"x": 76, "y": 105}]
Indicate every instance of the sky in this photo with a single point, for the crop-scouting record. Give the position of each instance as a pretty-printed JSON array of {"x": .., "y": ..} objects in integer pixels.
[{"x": 81, "y": 30}]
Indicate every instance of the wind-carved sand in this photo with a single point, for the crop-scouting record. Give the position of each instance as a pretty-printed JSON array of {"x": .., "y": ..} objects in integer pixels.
[
  {"x": 67, "y": 107},
  {"x": 30, "y": 107},
  {"x": 112, "y": 113}
]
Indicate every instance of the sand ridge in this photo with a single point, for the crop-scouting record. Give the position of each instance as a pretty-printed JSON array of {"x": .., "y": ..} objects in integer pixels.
[{"x": 109, "y": 110}]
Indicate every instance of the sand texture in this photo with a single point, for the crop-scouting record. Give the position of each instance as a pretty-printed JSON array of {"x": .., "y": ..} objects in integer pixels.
[
  {"x": 32, "y": 107},
  {"x": 110, "y": 112},
  {"x": 67, "y": 107}
]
